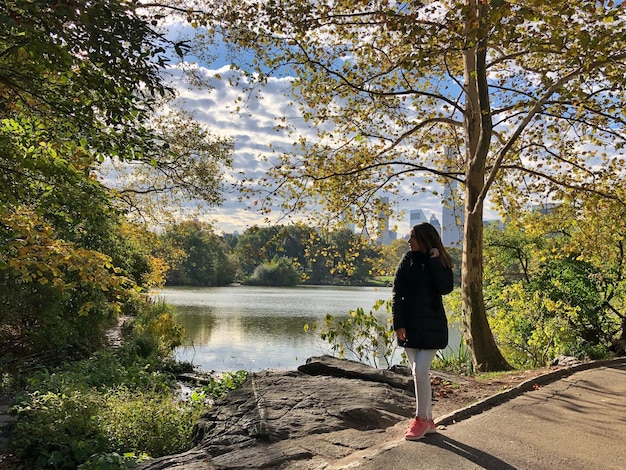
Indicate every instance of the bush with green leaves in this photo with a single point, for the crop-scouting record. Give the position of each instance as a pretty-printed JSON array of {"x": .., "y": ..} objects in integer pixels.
[
  {"x": 103, "y": 371},
  {"x": 218, "y": 387},
  {"x": 57, "y": 430},
  {"x": 116, "y": 401},
  {"x": 113, "y": 461},
  {"x": 151, "y": 333},
  {"x": 280, "y": 271},
  {"x": 365, "y": 338},
  {"x": 62, "y": 430},
  {"x": 154, "y": 423},
  {"x": 559, "y": 312},
  {"x": 100, "y": 413},
  {"x": 457, "y": 361},
  {"x": 360, "y": 334}
]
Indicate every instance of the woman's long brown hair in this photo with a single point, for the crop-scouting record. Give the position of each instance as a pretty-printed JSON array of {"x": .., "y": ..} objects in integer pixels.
[{"x": 428, "y": 237}]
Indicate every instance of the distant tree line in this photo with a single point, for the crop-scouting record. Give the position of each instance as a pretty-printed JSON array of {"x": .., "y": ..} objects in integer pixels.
[
  {"x": 281, "y": 255},
  {"x": 277, "y": 255}
]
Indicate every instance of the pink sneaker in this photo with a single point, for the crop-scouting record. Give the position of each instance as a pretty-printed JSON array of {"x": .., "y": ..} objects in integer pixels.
[
  {"x": 432, "y": 427},
  {"x": 417, "y": 430}
]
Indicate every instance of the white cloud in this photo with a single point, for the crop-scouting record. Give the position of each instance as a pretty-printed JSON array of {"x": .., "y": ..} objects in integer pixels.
[{"x": 255, "y": 137}]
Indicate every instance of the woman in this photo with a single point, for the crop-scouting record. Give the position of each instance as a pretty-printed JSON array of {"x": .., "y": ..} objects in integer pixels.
[{"x": 419, "y": 319}]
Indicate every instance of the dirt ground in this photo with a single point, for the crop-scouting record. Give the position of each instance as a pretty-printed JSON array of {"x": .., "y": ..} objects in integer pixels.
[{"x": 453, "y": 392}]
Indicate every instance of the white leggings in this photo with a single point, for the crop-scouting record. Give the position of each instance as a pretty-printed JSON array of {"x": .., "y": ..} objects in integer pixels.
[{"x": 420, "y": 360}]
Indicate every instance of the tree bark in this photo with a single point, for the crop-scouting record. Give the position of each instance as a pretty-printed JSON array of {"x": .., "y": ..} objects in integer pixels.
[
  {"x": 485, "y": 353},
  {"x": 478, "y": 128}
]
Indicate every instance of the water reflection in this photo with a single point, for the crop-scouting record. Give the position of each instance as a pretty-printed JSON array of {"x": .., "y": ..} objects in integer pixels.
[{"x": 253, "y": 328}]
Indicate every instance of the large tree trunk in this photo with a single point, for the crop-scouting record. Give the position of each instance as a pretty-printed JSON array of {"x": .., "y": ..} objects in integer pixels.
[
  {"x": 478, "y": 127},
  {"x": 478, "y": 336}
]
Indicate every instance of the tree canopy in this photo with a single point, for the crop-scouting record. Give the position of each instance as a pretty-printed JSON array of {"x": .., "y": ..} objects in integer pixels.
[
  {"x": 555, "y": 281},
  {"x": 80, "y": 83},
  {"x": 521, "y": 102}
]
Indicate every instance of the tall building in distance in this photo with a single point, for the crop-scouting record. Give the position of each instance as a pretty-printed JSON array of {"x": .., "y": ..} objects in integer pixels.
[
  {"x": 385, "y": 236},
  {"x": 452, "y": 216},
  {"x": 434, "y": 221},
  {"x": 452, "y": 212},
  {"x": 416, "y": 216}
]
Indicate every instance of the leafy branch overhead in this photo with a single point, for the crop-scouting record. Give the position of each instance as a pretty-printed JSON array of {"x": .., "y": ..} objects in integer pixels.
[
  {"x": 82, "y": 85},
  {"x": 521, "y": 102}
]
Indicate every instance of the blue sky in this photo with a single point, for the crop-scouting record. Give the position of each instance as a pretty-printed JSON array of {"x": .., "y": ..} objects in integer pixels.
[{"x": 253, "y": 131}]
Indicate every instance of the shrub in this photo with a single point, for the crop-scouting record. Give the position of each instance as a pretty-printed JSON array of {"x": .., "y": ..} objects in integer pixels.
[
  {"x": 57, "y": 429},
  {"x": 147, "y": 422},
  {"x": 62, "y": 430},
  {"x": 361, "y": 335},
  {"x": 103, "y": 371},
  {"x": 560, "y": 311},
  {"x": 280, "y": 271},
  {"x": 152, "y": 334},
  {"x": 69, "y": 418},
  {"x": 458, "y": 362},
  {"x": 218, "y": 387},
  {"x": 113, "y": 461}
]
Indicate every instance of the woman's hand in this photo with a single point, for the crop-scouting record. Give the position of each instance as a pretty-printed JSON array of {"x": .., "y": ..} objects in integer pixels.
[
  {"x": 434, "y": 252},
  {"x": 401, "y": 334}
]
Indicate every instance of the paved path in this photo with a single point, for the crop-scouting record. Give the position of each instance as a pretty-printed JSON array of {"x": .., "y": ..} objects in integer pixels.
[{"x": 575, "y": 423}]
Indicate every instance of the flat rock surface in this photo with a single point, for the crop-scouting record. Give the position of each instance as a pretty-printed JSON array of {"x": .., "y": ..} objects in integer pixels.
[{"x": 326, "y": 411}]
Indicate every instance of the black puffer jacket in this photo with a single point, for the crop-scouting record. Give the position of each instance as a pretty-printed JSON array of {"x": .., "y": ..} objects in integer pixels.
[{"x": 417, "y": 306}]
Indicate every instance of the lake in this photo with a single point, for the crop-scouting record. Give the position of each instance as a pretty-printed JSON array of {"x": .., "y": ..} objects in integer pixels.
[{"x": 255, "y": 328}]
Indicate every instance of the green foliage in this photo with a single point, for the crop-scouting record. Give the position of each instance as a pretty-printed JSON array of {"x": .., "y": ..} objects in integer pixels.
[
  {"x": 548, "y": 298},
  {"x": 218, "y": 387},
  {"x": 574, "y": 287},
  {"x": 57, "y": 430},
  {"x": 391, "y": 255},
  {"x": 100, "y": 372},
  {"x": 113, "y": 461},
  {"x": 208, "y": 259},
  {"x": 536, "y": 322},
  {"x": 7, "y": 383},
  {"x": 278, "y": 272},
  {"x": 116, "y": 407},
  {"x": 361, "y": 335},
  {"x": 154, "y": 423},
  {"x": 152, "y": 333},
  {"x": 79, "y": 83},
  {"x": 61, "y": 430},
  {"x": 41, "y": 316},
  {"x": 98, "y": 97},
  {"x": 349, "y": 256},
  {"x": 457, "y": 361},
  {"x": 65, "y": 265},
  {"x": 72, "y": 419},
  {"x": 259, "y": 245},
  {"x": 321, "y": 256}
]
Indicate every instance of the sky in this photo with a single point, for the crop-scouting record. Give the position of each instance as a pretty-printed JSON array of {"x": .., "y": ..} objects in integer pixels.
[{"x": 253, "y": 132}]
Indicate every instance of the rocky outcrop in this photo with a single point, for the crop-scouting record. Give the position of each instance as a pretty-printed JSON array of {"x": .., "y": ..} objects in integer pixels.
[{"x": 324, "y": 411}]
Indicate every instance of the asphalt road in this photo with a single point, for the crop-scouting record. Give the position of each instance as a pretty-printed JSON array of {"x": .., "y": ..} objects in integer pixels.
[{"x": 577, "y": 422}]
